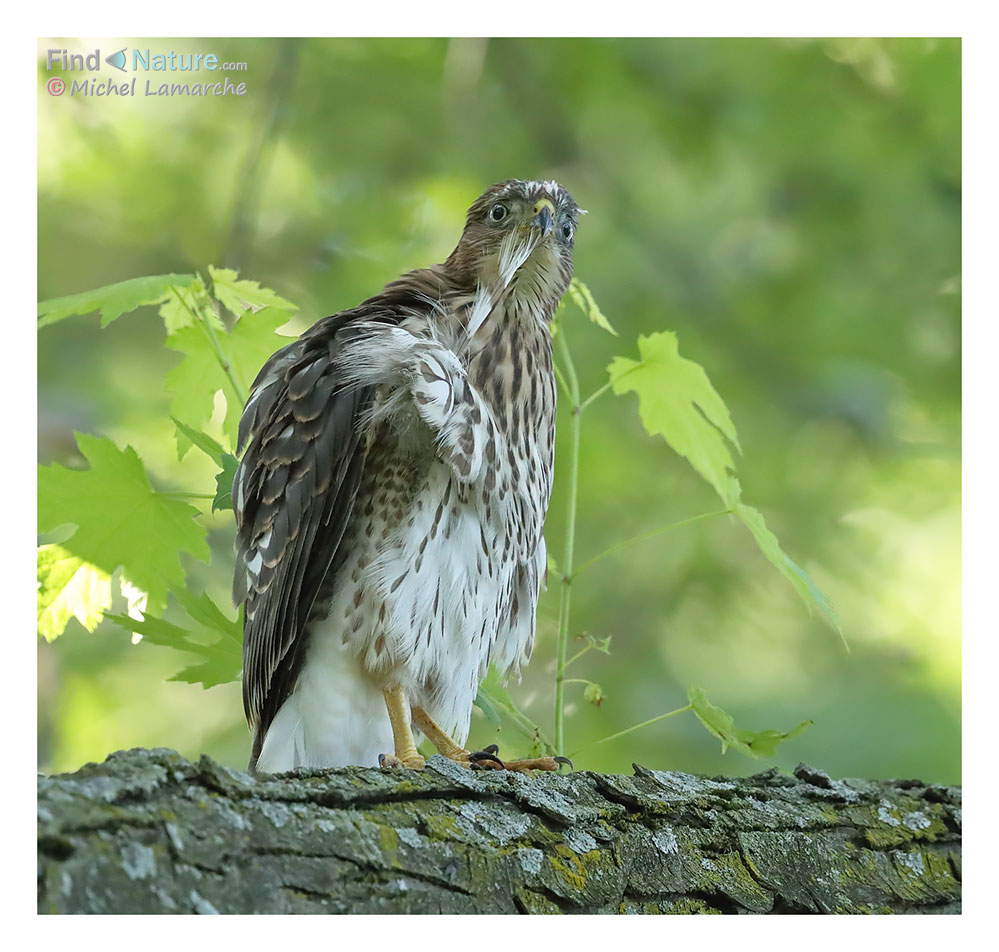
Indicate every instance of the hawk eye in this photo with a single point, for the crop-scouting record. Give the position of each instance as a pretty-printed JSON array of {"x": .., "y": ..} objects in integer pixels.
[
  {"x": 567, "y": 230},
  {"x": 497, "y": 212}
]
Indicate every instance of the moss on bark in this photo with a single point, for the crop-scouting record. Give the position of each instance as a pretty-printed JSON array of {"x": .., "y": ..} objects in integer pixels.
[{"x": 150, "y": 832}]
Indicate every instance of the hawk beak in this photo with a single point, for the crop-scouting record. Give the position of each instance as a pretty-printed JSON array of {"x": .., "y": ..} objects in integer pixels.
[{"x": 544, "y": 212}]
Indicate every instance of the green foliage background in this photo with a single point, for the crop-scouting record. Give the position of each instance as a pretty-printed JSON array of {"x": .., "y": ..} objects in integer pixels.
[{"x": 791, "y": 209}]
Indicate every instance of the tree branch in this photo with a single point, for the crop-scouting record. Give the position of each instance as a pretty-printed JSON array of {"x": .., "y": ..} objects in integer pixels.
[{"x": 150, "y": 832}]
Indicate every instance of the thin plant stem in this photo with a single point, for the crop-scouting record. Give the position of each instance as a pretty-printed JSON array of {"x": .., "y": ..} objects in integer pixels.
[
  {"x": 213, "y": 341},
  {"x": 224, "y": 362},
  {"x": 565, "y": 599},
  {"x": 579, "y": 654},
  {"x": 634, "y": 727},
  {"x": 599, "y": 392},
  {"x": 647, "y": 535},
  {"x": 184, "y": 495},
  {"x": 561, "y": 380},
  {"x": 527, "y": 726}
]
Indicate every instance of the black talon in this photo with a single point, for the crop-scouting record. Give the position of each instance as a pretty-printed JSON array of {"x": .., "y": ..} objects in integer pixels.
[
  {"x": 486, "y": 756},
  {"x": 381, "y": 760},
  {"x": 564, "y": 760}
]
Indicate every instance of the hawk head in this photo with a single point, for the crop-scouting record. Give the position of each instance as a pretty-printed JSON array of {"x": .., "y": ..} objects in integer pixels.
[{"x": 518, "y": 236}]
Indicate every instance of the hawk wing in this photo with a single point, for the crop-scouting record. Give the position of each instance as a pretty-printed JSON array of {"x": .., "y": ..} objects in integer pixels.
[{"x": 293, "y": 494}]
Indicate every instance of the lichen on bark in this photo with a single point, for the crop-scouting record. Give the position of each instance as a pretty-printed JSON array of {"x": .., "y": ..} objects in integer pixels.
[{"x": 150, "y": 832}]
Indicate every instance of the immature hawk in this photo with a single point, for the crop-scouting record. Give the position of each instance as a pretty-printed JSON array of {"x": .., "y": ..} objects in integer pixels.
[{"x": 391, "y": 499}]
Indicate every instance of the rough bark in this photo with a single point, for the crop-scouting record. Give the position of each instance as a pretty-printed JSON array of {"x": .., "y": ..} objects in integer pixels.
[{"x": 150, "y": 832}]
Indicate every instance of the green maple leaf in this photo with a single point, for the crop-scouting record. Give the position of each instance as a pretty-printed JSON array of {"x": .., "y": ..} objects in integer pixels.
[
  {"x": 217, "y": 641},
  {"x": 213, "y": 449},
  {"x": 240, "y": 296},
  {"x": 113, "y": 300},
  {"x": 810, "y": 593},
  {"x": 721, "y": 725},
  {"x": 204, "y": 611},
  {"x": 583, "y": 299},
  {"x": 121, "y": 520},
  {"x": 677, "y": 401},
  {"x": 192, "y": 437},
  {"x": 199, "y": 376},
  {"x": 220, "y": 659},
  {"x": 580, "y": 295},
  {"x": 69, "y": 587},
  {"x": 184, "y": 305},
  {"x": 223, "y": 483}
]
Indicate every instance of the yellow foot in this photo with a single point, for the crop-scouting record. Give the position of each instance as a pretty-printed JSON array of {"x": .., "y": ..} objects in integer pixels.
[
  {"x": 412, "y": 762},
  {"x": 537, "y": 763},
  {"x": 488, "y": 759}
]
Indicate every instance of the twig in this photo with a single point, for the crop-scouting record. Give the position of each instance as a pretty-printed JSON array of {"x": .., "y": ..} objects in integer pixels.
[
  {"x": 634, "y": 727},
  {"x": 648, "y": 535},
  {"x": 209, "y": 331},
  {"x": 565, "y": 599}
]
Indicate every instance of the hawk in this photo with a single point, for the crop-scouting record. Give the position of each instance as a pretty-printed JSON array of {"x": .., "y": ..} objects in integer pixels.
[{"x": 391, "y": 500}]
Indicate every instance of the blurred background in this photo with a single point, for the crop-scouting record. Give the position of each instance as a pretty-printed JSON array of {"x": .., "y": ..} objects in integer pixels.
[{"x": 792, "y": 209}]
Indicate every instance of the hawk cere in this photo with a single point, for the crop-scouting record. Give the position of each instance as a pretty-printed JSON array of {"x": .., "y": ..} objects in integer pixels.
[{"x": 392, "y": 496}]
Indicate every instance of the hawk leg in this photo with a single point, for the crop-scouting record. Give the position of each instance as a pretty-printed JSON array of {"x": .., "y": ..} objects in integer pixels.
[
  {"x": 406, "y": 754},
  {"x": 480, "y": 759}
]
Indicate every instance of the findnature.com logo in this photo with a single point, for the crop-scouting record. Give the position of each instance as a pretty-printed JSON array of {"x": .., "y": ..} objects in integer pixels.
[{"x": 141, "y": 61}]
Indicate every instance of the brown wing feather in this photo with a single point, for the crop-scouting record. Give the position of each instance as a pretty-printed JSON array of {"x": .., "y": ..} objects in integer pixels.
[
  {"x": 293, "y": 494},
  {"x": 294, "y": 490}
]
